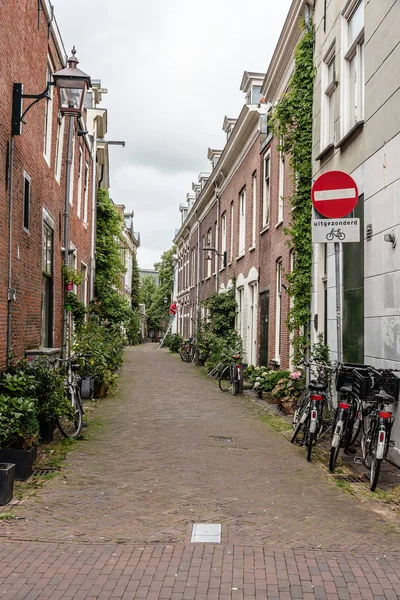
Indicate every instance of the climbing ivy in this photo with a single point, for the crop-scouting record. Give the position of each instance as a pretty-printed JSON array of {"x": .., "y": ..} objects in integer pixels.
[{"x": 292, "y": 123}]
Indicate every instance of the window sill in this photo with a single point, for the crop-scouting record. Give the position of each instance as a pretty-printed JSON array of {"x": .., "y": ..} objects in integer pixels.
[
  {"x": 252, "y": 248},
  {"x": 25, "y": 230},
  {"x": 240, "y": 256},
  {"x": 46, "y": 159},
  {"x": 208, "y": 278},
  {"x": 350, "y": 134},
  {"x": 222, "y": 269},
  {"x": 327, "y": 150},
  {"x": 264, "y": 229},
  {"x": 279, "y": 224},
  {"x": 229, "y": 263}
]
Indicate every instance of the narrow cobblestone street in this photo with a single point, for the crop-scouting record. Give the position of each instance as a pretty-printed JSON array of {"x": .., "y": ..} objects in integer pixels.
[{"x": 173, "y": 451}]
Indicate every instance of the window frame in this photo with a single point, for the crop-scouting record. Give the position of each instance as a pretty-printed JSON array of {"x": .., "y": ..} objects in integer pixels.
[
  {"x": 48, "y": 114},
  {"x": 266, "y": 212},
  {"x": 352, "y": 51},
  {"x": 254, "y": 215},
  {"x": 328, "y": 88},
  {"x": 242, "y": 222},
  {"x": 26, "y": 205}
]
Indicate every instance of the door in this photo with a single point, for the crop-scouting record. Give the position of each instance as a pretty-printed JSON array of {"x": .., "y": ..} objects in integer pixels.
[{"x": 264, "y": 324}]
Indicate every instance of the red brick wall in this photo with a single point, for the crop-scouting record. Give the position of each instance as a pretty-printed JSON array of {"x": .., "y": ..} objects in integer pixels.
[
  {"x": 24, "y": 48},
  {"x": 274, "y": 246}
]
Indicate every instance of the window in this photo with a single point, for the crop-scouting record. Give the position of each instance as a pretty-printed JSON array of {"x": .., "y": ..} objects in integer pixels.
[
  {"x": 47, "y": 286},
  {"x": 72, "y": 158},
  {"x": 48, "y": 116},
  {"x": 281, "y": 186},
  {"x": 80, "y": 166},
  {"x": 86, "y": 194},
  {"x": 204, "y": 257},
  {"x": 266, "y": 190},
  {"x": 254, "y": 216},
  {"x": 193, "y": 266},
  {"x": 84, "y": 285},
  {"x": 231, "y": 231},
  {"x": 242, "y": 221},
  {"x": 208, "y": 254},
  {"x": 216, "y": 253},
  {"x": 239, "y": 320},
  {"x": 353, "y": 68},
  {"x": 328, "y": 99},
  {"x": 278, "y": 315},
  {"x": 59, "y": 148},
  {"x": 27, "y": 201},
  {"x": 223, "y": 234}
]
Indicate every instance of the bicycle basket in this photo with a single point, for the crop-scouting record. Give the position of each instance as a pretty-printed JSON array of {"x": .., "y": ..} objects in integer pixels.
[
  {"x": 344, "y": 376},
  {"x": 365, "y": 383},
  {"x": 391, "y": 383}
]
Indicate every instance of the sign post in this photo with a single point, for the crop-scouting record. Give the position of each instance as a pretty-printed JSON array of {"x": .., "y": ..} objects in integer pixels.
[{"x": 334, "y": 195}]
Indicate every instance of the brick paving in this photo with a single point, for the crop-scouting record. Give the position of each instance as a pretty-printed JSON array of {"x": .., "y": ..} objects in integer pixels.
[{"x": 174, "y": 450}]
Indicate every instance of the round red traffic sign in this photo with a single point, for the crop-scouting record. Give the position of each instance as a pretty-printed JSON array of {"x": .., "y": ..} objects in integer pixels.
[{"x": 334, "y": 194}]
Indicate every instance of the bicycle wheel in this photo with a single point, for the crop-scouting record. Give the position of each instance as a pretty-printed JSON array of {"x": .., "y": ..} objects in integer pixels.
[
  {"x": 225, "y": 380},
  {"x": 296, "y": 431},
  {"x": 310, "y": 444},
  {"x": 301, "y": 416},
  {"x": 70, "y": 422},
  {"x": 366, "y": 439},
  {"x": 333, "y": 456},
  {"x": 375, "y": 471},
  {"x": 182, "y": 354},
  {"x": 356, "y": 428},
  {"x": 235, "y": 385}
]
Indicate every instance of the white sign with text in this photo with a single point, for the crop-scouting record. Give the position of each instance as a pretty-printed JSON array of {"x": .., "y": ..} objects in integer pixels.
[{"x": 335, "y": 230}]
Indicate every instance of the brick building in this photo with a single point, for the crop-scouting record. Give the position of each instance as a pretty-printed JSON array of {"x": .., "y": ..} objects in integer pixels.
[
  {"x": 33, "y": 184},
  {"x": 243, "y": 210}
]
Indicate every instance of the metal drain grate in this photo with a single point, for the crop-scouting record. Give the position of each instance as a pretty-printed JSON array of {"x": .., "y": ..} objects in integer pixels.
[
  {"x": 221, "y": 438},
  {"x": 45, "y": 471}
]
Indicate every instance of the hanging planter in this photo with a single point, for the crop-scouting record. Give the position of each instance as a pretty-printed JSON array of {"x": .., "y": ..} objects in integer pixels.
[{"x": 69, "y": 286}]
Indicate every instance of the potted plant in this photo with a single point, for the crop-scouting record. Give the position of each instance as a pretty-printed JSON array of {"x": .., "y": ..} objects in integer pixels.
[
  {"x": 71, "y": 277},
  {"x": 50, "y": 394},
  {"x": 19, "y": 430},
  {"x": 7, "y": 476}
]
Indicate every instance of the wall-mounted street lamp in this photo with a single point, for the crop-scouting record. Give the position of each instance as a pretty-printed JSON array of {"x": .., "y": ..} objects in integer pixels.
[
  {"x": 223, "y": 254},
  {"x": 165, "y": 300},
  {"x": 71, "y": 84}
]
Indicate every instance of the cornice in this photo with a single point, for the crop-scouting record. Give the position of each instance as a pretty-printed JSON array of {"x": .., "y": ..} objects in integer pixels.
[
  {"x": 283, "y": 54},
  {"x": 246, "y": 122}
]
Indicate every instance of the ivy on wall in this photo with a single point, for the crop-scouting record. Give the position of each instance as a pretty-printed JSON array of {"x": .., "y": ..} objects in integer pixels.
[{"x": 292, "y": 123}]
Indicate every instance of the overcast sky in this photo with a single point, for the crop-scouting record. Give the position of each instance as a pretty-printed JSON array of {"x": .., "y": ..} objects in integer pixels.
[{"x": 173, "y": 70}]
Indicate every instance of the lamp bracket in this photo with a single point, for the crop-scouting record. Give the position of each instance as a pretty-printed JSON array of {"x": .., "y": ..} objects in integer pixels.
[{"x": 18, "y": 95}]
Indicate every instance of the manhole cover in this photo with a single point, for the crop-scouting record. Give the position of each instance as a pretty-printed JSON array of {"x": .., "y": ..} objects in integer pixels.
[
  {"x": 221, "y": 438},
  {"x": 45, "y": 470}
]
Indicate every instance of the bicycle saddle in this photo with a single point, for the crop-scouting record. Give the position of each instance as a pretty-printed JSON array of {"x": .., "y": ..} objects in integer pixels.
[
  {"x": 235, "y": 356},
  {"x": 384, "y": 397},
  {"x": 346, "y": 389},
  {"x": 318, "y": 387}
]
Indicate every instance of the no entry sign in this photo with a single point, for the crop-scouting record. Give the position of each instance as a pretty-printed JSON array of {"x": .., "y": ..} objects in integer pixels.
[{"x": 334, "y": 194}]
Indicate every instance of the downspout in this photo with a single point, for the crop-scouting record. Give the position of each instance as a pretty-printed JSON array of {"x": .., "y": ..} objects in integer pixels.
[
  {"x": 94, "y": 212},
  {"x": 217, "y": 241},
  {"x": 198, "y": 288},
  {"x": 10, "y": 224},
  {"x": 66, "y": 226}
]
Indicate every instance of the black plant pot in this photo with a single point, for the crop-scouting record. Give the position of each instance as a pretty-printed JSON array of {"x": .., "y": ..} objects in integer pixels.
[
  {"x": 46, "y": 431},
  {"x": 22, "y": 459},
  {"x": 7, "y": 476},
  {"x": 87, "y": 387}
]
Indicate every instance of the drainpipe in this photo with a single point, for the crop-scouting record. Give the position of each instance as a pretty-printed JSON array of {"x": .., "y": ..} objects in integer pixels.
[
  {"x": 66, "y": 226},
  {"x": 94, "y": 210},
  {"x": 198, "y": 287},
  {"x": 10, "y": 291},
  {"x": 217, "y": 240}
]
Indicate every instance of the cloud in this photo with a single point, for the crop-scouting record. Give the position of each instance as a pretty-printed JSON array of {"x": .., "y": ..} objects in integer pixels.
[{"x": 173, "y": 70}]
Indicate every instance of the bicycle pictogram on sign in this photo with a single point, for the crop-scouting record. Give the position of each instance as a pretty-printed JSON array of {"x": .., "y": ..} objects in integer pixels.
[{"x": 335, "y": 233}]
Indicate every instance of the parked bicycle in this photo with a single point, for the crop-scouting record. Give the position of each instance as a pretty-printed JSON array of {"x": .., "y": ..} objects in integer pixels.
[
  {"x": 188, "y": 350},
  {"x": 70, "y": 421},
  {"x": 346, "y": 426},
  {"x": 314, "y": 417},
  {"x": 230, "y": 377},
  {"x": 377, "y": 423}
]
